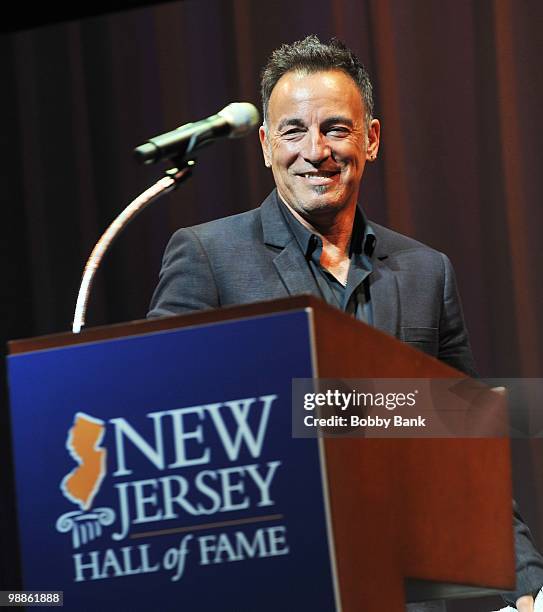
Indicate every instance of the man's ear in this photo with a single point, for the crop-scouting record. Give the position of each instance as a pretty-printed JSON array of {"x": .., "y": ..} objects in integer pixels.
[
  {"x": 374, "y": 133},
  {"x": 265, "y": 144}
]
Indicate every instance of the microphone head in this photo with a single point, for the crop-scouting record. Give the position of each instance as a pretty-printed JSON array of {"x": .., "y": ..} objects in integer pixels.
[{"x": 242, "y": 117}]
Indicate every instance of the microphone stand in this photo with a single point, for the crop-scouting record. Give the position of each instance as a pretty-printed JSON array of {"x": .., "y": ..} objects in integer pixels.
[{"x": 173, "y": 178}]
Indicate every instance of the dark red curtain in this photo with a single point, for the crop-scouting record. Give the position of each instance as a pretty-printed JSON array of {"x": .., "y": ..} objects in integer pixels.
[{"x": 458, "y": 91}]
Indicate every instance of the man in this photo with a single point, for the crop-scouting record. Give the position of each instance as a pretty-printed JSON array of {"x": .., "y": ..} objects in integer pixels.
[{"x": 309, "y": 235}]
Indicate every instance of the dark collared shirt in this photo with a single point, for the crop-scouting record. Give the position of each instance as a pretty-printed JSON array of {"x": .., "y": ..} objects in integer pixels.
[{"x": 353, "y": 297}]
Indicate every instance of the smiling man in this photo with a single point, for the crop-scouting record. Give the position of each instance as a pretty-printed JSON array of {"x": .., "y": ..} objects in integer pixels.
[
  {"x": 316, "y": 141},
  {"x": 310, "y": 236},
  {"x": 317, "y": 138}
]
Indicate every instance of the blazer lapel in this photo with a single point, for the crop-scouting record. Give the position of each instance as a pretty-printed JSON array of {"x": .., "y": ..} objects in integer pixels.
[
  {"x": 295, "y": 272},
  {"x": 290, "y": 262}
]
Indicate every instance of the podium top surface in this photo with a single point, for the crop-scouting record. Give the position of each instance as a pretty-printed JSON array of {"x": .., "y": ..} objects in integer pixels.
[{"x": 145, "y": 326}]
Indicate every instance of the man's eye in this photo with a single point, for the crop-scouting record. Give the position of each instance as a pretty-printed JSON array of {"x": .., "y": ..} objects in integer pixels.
[
  {"x": 293, "y": 132},
  {"x": 337, "y": 130}
]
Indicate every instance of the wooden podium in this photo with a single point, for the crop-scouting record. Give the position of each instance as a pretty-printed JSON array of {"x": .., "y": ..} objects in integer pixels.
[{"x": 415, "y": 518}]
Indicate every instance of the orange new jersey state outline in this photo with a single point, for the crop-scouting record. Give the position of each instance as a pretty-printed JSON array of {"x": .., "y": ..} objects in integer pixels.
[{"x": 82, "y": 484}]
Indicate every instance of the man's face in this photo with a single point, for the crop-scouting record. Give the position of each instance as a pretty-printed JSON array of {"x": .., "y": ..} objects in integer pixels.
[{"x": 316, "y": 141}]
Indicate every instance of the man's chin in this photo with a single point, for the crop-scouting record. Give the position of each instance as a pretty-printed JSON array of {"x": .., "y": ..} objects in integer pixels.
[
  {"x": 321, "y": 190},
  {"x": 322, "y": 199}
]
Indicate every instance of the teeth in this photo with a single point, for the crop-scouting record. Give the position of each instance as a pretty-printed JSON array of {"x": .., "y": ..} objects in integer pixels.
[{"x": 313, "y": 175}]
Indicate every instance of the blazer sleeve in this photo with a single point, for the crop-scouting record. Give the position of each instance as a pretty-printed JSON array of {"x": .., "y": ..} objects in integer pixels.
[
  {"x": 454, "y": 349},
  {"x": 529, "y": 563},
  {"x": 186, "y": 281},
  {"x": 454, "y": 346}
]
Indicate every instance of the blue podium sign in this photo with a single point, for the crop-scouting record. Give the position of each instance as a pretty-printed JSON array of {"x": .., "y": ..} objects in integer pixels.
[{"x": 158, "y": 471}]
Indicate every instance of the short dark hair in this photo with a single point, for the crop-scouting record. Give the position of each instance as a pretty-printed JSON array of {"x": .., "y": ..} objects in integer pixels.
[{"x": 311, "y": 55}]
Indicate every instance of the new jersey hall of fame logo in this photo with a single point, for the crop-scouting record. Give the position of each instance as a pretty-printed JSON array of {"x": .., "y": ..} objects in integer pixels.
[
  {"x": 82, "y": 484},
  {"x": 192, "y": 505}
]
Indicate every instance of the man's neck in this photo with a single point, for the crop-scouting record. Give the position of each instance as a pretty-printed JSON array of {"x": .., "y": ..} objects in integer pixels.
[{"x": 336, "y": 234}]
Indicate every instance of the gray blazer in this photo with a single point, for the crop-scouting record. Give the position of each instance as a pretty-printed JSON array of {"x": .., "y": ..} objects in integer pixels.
[{"x": 254, "y": 256}]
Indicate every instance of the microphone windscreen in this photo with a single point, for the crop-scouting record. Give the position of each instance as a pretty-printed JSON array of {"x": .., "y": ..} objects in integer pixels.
[{"x": 241, "y": 116}]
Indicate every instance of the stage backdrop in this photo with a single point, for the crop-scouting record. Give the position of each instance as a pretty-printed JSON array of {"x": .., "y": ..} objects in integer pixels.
[{"x": 458, "y": 91}]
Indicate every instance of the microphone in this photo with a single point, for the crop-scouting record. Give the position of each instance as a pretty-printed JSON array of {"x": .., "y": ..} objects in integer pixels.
[{"x": 233, "y": 121}]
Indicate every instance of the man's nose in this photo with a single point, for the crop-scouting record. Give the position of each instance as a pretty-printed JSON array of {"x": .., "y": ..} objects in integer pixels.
[{"x": 316, "y": 148}]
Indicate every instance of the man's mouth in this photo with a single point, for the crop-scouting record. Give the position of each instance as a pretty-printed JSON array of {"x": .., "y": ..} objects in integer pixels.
[{"x": 322, "y": 177}]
